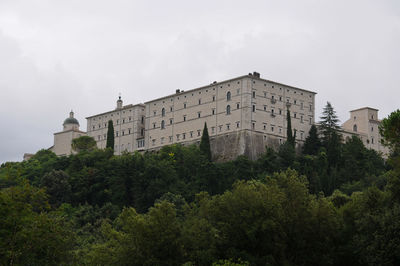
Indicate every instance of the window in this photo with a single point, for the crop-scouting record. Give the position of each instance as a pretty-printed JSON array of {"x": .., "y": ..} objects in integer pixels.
[
  {"x": 177, "y": 136},
  {"x": 199, "y": 101},
  {"x": 116, "y": 133},
  {"x": 272, "y": 129},
  {"x": 184, "y": 118},
  {"x": 372, "y": 140},
  {"x": 129, "y": 131},
  {"x": 213, "y": 98},
  {"x": 170, "y": 138},
  {"x": 301, "y": 135},
  {"x": 253, "y": 125},
  {"x": 213, "y": 111},
  {"x": 237, "y": 124},
  {"x": 295, "y": 101},
  {"x": 310, "y": 120},
  {"x": 238, "y": 91},
  {"x": 265, "y": 94},
  {"x": 183, "y": 135},
  {"x": 198, "y": 114},
  {"x": 191, "y": 134},
  {"x": 254, "y": 94},
  {"x": 163, "y": 112},
  {"x": 171, "y": 121},
  {"x": 162, "y": 140},
  {"x": 265, "y": 108},
  {"x": 212, "y": 130},
  {"x": 142, "y": 132},
  {"x": 372, "y": 128},
  {"x": 272, "y": 111},
  {"x": 265, "y": 127},
  {"x": 117, "y": 121},
  {"x": 280, "y": 111},
  {"x": 228, "y": 126},
  {"x": 154, "y": 125},
  {"x": 254, "y": 108},
  {"x": 123, "y": 133},
  {"x": 228, "y": 96},
  {"x": 355, "y": 128},
  {"x": 280, "y": 98},
  {"x": 162, "y": 124},
  {"x": 228, "y": 109},
  {"x": 311, "y": 109},
  {"x": 198, "y": 133},
  {"x": 170, "y": 109},
  {"x": 98, "y": 137},
  {"x": 184, "y": 105},
  {"x": 301, "y": 119},
  {"x": 153, "y": 141},
  {"x": 295, "y": 115},
  {"x": 220, "y": 128},
  {"x": 142, "y": 120},
  {"x": 372, "y": 116},
  {"x": 155, "y": 113},
  {"x": 123, "y": 121},
  {"x": 301, "y": 105},
  {"x": 237, "y": 106}
]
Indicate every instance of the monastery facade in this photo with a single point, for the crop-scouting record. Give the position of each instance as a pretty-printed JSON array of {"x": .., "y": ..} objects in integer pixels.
[{"x": 243, "y": 115}]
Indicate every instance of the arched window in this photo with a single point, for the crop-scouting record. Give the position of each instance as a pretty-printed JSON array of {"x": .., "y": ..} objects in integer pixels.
[
  {"x": 228, "y": 96},
  {"x": 355, "y": 128},
  {"x": 163, "y": 112},
  {"x": 228, "y": 109},
  {"x": 162, "y": 124}
]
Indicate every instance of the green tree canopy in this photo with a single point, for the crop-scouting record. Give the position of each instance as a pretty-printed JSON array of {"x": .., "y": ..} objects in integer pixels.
[
  {"x": 205, "y": 143},
  {"x": 83, "y": 143},
  {"x": 110, "y": 135}
]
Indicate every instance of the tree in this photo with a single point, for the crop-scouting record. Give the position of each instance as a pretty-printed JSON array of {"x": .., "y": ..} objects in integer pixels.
[
  {"x": 331, "y": 139},
  {"x": 84, "y": 143},
  {"x": 205, "y": 143},
  {"x": 390, "y": 130},
  {"x": 57, "y": 187},
  {"x": 312, "y": 143},
  {"x": 290, "y": 138},
  {"x": 110, "y": 135}
]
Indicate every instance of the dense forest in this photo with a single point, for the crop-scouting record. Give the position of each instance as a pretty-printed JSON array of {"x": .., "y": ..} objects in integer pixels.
[{"x": 336, "y": 203}]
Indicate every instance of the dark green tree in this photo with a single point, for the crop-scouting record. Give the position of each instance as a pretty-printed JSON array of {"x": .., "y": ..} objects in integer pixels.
[
  {"x": 312, "y": 143},
  {"x": 290, "y": 138},
  {"x": 110, "y": 135},
  {"x": 205, "y": 143},
  {"x": 331, "y": 138},
  {"x": 84, "y": 143}
]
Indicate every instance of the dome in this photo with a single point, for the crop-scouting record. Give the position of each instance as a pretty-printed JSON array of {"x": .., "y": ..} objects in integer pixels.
[{"x": 71, "y": 119}]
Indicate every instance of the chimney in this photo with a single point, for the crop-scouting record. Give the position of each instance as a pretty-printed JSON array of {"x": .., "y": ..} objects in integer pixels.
[
  {"x": 177, "y": 91},
  {"x": 256, "y": 74}
]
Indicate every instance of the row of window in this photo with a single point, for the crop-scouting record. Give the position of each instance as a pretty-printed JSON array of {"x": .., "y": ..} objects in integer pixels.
[
  {"x": 117, "y": 122},
  {"x": 123, "y": 133},
  {"x": 111, "y": 115}
]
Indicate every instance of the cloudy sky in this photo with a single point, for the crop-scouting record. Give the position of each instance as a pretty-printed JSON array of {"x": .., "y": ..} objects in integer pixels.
[{"x": 80, "y": 54}]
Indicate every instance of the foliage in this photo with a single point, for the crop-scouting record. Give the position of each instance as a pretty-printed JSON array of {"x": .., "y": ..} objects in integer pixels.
[
  {"x": 83, "y": 143},
  {"x": 110, "y": 135},
  {"x": 205, "y": 148},
  {"x": 312, "y": 143}
]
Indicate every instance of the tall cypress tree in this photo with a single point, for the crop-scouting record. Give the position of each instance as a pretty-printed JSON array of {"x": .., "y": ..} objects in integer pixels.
[
  {"x": 205, "y": 143},
  {"x": 289, "y": 133},
  {"x": 110, "y": 135}
]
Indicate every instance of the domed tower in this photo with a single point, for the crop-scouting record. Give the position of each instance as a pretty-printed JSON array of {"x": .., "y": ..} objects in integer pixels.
[
  {"x": 71, "y": 123},
  {"x": 63, "y": 139}
]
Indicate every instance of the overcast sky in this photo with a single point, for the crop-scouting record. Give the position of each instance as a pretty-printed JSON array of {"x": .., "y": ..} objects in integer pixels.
[{"x": 79, "y": 54}]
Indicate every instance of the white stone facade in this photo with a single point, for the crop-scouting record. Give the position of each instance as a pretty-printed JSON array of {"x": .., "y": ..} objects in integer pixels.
[
  {"x": 128, "y": 122},
  {"x": 364, "y": 123}
]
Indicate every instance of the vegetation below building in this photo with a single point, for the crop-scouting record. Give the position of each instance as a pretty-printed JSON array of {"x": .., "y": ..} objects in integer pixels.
[{"x": 335, "y": 204}]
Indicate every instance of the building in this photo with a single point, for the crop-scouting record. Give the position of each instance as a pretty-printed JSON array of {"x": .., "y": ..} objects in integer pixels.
[
  {"x": 243, "y": 115},
  {"x": 364, "y": 123},
  {"x": 128, "y": 122},
  {"x": 63, "y": 139}
]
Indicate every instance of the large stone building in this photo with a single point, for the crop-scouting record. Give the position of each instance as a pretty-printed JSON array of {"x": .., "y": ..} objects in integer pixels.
[
  {"x": 364, "y": 123},
  {"x": 128, "y": 122},
  {"x": 243, "y": 115},
  {"x": 63, "y": 139}
]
